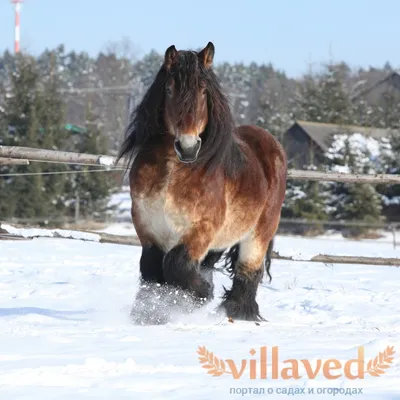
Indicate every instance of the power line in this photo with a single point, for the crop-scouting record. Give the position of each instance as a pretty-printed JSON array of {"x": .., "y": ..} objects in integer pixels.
[
  {"x": 68, "y": 162},
  {"x": 123, "y": 89},
  {"x": 60, "y": 172}
]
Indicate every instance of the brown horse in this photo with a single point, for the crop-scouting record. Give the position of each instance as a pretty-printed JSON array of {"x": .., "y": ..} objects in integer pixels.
[{"x": 201, "y": 186}]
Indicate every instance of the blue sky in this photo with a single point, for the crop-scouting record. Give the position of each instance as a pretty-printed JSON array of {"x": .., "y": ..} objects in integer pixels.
[{"x": 288, "y": 33}]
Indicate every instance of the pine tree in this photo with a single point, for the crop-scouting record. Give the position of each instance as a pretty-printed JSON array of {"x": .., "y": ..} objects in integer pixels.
[
  {"x": 325, "y": 97},
  {"x": 22, "y": 194},
  {"x": 31, "y": 117},
  {"x": 335, "y": 95},
  {"x": 321, "y": 98},
  {"x": 309, "y": 98},
  {"x": 390, "y": 164},
  {"x": 91, "y": 189},
  {"x": 53, "y": 135},
  {"x": 352, "y": 153},
  {"x": 307, "y": 200}
]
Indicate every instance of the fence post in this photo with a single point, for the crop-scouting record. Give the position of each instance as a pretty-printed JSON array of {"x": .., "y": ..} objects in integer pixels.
[{"x": 77, "y": 204}]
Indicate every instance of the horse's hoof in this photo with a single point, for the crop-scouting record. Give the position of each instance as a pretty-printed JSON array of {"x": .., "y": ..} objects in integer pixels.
[
  {"x": 203, "y": 290},
  {"x": 247, "y": 311}
]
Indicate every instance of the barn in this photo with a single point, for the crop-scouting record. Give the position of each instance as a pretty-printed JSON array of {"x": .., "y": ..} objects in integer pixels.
[{"x": 306, "y": 142}]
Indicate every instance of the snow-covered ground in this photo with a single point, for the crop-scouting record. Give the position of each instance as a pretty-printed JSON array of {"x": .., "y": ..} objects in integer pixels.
[{"x": 65, "y": 331}]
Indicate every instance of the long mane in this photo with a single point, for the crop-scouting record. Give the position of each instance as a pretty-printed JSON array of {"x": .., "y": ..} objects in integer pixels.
[{"x": 220, "y": 143}]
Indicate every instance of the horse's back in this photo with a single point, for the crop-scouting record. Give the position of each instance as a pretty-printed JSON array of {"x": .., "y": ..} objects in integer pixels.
[
  {"x": 265, "y": 149},
  {"x": 262, "y": 142}
]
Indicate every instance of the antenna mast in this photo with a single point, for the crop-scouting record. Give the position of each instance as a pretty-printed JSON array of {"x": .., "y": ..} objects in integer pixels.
[{"x": 17, "y": 6}]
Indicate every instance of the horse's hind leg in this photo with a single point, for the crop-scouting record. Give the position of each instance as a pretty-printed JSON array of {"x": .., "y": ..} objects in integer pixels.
[
  {"x": 248, "y": 268},
  {"x": 240, "y": 301}
]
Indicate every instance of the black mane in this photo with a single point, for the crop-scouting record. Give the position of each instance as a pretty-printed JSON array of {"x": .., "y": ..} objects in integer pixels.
[{"x": 220, "y": 144}]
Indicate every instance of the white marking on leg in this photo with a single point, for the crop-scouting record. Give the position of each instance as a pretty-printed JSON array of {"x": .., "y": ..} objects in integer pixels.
[{"x": 251, "y": 252}]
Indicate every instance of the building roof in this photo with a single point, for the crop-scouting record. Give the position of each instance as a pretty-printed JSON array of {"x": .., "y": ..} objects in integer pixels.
[
  {"x": 322, "y": 133},
  {"x": 393, "y": 79}
]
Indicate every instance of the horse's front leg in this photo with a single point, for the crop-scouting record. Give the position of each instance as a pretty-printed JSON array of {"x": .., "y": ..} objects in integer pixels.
[{"x": 182, "y": 264}]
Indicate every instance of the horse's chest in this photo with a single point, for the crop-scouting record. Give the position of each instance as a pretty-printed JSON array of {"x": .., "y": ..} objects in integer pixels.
[{"x": 160, "y": 218}]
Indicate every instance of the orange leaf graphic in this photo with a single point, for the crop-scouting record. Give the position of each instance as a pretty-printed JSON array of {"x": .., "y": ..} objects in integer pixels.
[
  {"x": 377, "y": 366},
  {"x": 215, "y": 366},
  {"x": 375, "y": 361}
]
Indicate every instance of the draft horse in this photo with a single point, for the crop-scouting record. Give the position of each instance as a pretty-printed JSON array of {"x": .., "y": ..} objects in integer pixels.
[{"x": 202, "y": 187}]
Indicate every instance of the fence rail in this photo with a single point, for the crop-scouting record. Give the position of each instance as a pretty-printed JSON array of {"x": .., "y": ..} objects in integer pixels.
[
  {"x": 64, "y": 157},
  {"x": 297, "y": 174},
  {"x": 55, "y": 156},
  {"x": 13, "y": 161},
  {"x": 11, "y": 232}
]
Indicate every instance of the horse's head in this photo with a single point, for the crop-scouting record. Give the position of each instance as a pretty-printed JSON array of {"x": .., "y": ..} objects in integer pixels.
[
  {"x": 186, "y": 107},
  {"x": 186, "y": 103}
]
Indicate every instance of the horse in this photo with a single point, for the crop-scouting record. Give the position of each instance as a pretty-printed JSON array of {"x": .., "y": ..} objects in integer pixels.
[{"x": 201, "y": 186}]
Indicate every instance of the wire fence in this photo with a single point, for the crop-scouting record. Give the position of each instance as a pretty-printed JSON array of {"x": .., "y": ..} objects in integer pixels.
[
  {"x": 63, "y": 157},
  {"x": 60, "y": 172},
  {"x": 105, "y": 163}
]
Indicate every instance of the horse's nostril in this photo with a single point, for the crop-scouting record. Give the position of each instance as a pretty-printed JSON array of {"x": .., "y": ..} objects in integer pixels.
[
  {"x": 187, "y": 154},
  {"x": 178, "y": 147}
]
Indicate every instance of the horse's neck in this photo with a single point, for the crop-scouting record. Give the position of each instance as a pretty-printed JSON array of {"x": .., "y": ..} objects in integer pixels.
[{"x": 158, "y": 157}]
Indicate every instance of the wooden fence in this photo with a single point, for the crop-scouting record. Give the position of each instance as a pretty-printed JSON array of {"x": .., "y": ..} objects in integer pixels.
[
  {"x": 13, "y": 161},
  {"x": 25, "y": 155},
  {"x": 64, "y": 157},
  {"x": 12, "y": 232}
]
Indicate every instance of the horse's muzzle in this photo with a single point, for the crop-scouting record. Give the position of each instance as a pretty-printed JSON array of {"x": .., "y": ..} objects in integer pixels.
[{"x": 187, "y": 151}]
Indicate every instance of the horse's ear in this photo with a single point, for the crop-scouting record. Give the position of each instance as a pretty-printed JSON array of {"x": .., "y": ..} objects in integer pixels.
[
  {"x": 170, "y": 56},
  {"x": 206, "y": 55}
]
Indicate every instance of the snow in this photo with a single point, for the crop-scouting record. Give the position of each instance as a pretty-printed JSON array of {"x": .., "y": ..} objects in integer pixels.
[
  {"x": 66, "y": 332},
  {"x": 124, "y": 229},
  {"x": 106, "y": 160},
  {"x": 122, "y": 203},
  {"x": 65, "y": 233},
  {"x": 363, "y": 148},
  {"x": 393, "y": 200}
]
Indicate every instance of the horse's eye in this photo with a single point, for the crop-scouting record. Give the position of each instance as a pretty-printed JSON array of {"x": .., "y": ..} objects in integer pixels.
[
  {"x": 168, "y": 90},
  {"x": 203, "y": 88}
]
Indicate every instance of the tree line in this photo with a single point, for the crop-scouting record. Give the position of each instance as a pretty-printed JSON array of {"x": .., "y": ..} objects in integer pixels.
[
  {"x": 35, "y": 112},
  {"x": 32, "y": 114}
]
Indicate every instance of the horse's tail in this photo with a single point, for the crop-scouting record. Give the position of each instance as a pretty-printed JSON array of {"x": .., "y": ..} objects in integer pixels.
[
  {"x": 268, "y": 258},
  {"x": 232, "y": 255}
]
